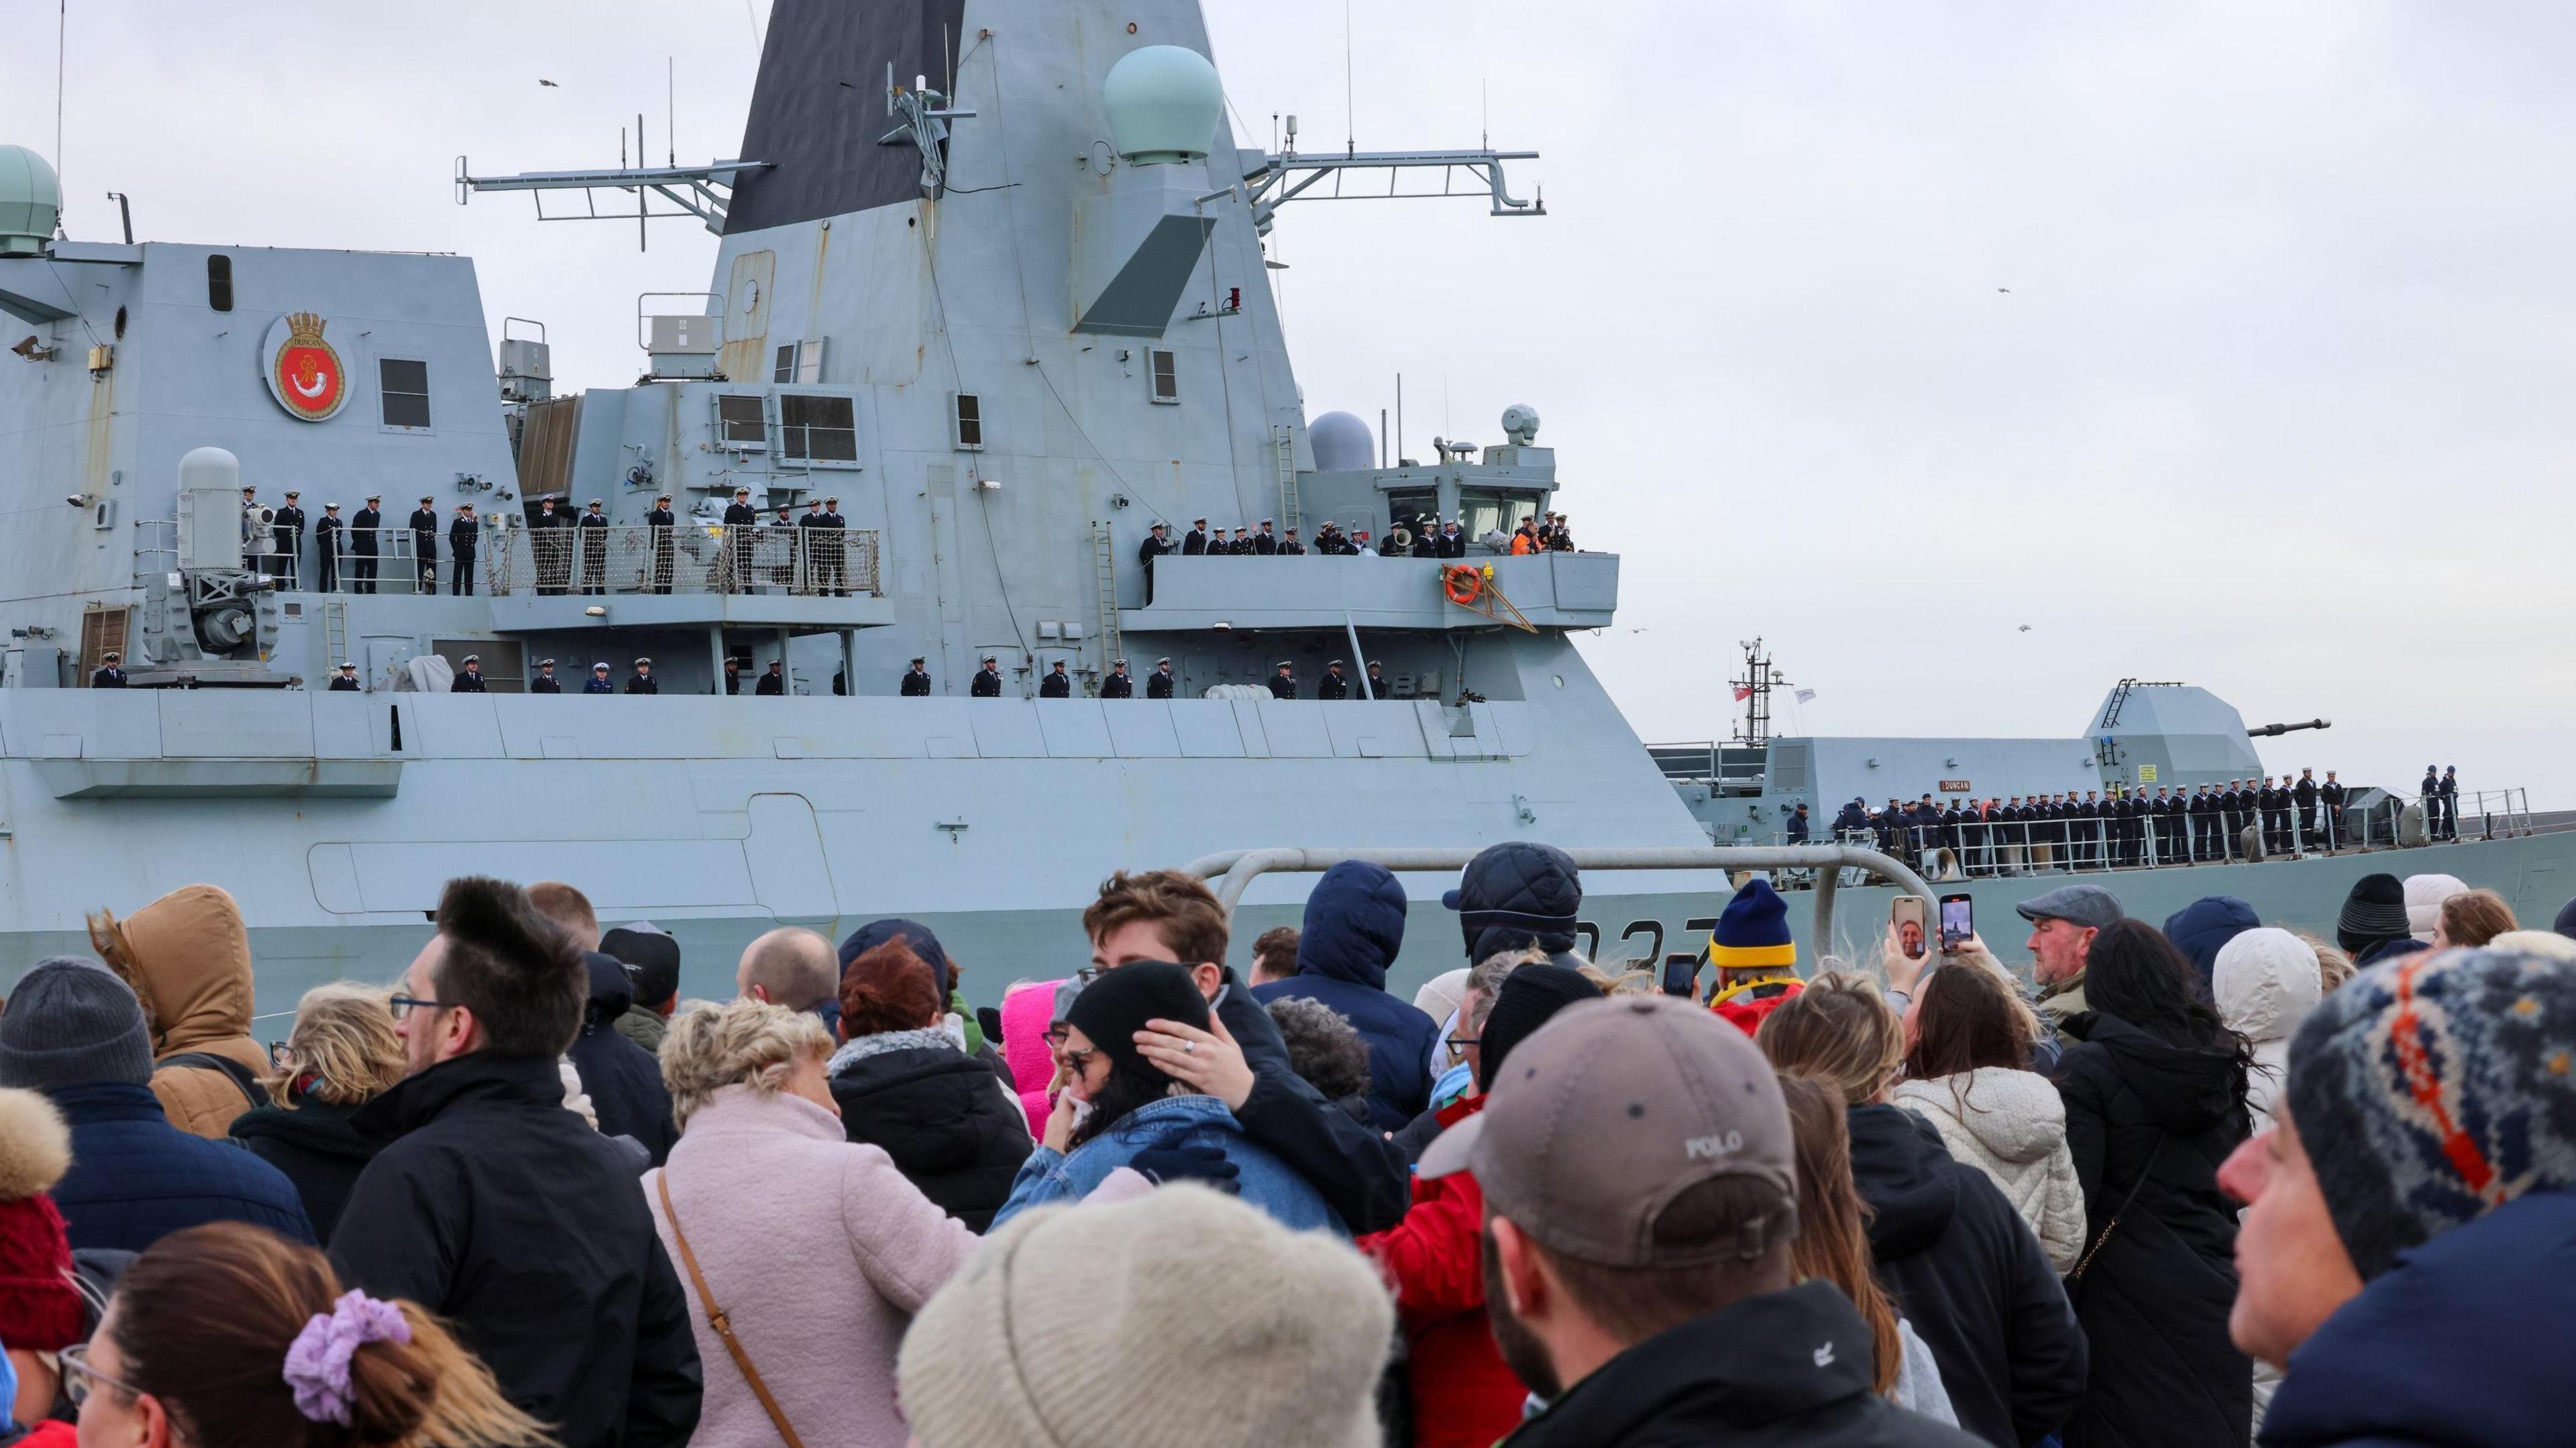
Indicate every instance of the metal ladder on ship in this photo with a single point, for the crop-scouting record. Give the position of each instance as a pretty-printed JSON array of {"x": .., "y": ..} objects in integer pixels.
[
  {"x": 1284, "y": 444},
  {"x": 335, "y": 634},
  {"x": 1104, "y": 562}
]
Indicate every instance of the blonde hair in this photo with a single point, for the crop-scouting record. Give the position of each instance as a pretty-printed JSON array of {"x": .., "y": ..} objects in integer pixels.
[
  {"x": 344, "y": 1039},
  {"x": 2476, "y": 917},
  {"x": 741, "y": 1042},
  {"x": 1839, "y": 1030},
  {"x": 1485, "y": 982},
  {"x": 1627, "y": 982},
  {"x": 2334, "y": 967}
]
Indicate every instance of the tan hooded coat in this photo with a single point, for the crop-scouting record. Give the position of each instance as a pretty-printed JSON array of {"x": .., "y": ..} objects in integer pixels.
[{"x": 188, "y": 956}]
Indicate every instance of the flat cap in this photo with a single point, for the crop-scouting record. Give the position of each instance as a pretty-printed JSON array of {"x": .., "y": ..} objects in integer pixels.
[{"x": 2086, "y": 905}]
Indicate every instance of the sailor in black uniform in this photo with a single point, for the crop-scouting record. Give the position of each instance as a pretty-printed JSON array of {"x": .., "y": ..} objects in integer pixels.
[
  {"x": 740, "y": 519},
  {"x": 2450, "y": 801},
  {"x": 1290, "y": 547},
  {"x": 2231, "y": 821},
  {"x": 660, "y": 523},
  {"x": 366, "y": 530},
  {"x": 111, "y": 672},
  {"x": 462, "y": 539},
  {"x": 1333, "y": 685},
  {"x": 549, "y": 549},
  {"x": 1159, "y": 684},
  {"x": 424, "y": 544},
  {"x": 1057, "y": 684},
  {"x": 1263, "y": 542},
  {"x": 1375, "y": 685},
  {"x": 599, "y": 683},
  {"x": 1241, "y": 547},
  {"x": 732, "y": 682},
  {"x": 346, "y": 681},
  {"x": 2304, "y": 795},
  {"x": 471, "y": 681},
  {"x": 1118, "y": 685},
  {"x": 1426, "y": 536},
  {"x": 833, "y": 539},
  {"x": 289, "y": 525},
  {"x": 2268, "y": 801},
  {"x": 1283, "y": 682},
  {"x": 2330, "y": 794},
  {"x": 326, "y": 549},
  {"x": 2198, "y": 813},
  {"x": 772, "y": 684},
  {"x": 987, "y": 683},
  {"x": 916, "y": 680},
  {"x": 591, "y": 529},
  {"x": 1195, "y": 542},
  {"x": 642, "y": 680},
  {"x": 1157, "y": 543},
  {"x": 545, "y": 681}
]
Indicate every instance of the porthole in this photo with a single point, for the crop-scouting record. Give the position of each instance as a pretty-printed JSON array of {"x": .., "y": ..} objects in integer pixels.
[{"x": 1560, "y": 680}]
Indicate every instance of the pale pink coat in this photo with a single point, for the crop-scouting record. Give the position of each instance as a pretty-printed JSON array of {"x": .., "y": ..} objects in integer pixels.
[{"x": 820, "y": 1253}]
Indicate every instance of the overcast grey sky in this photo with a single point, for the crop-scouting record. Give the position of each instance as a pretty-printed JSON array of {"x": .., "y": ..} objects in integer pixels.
[{"x": 2276, "y": 401}]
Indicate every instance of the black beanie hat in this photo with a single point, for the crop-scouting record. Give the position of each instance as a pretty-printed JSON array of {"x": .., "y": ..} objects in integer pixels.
[
  {"x": 1113, "y": 1008},
  {"x": 2373, "y": 912},
  {"x": 1530, "y": 997}
]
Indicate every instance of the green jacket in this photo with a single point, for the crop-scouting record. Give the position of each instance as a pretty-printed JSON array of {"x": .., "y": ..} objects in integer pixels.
[
  {"x": 2066, "y": 998},
  {"x": 644, "y": 1026}
]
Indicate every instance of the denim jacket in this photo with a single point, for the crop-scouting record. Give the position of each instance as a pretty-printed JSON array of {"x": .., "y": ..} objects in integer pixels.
[{"x": 1267, "y": 1182}]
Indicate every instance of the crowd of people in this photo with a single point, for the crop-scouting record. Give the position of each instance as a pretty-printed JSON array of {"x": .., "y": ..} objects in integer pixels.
[
  {"x": 1423, "y": 536},
  {"x": 2204, "y": 1183},
  {"x": 2127, "y": 826}
]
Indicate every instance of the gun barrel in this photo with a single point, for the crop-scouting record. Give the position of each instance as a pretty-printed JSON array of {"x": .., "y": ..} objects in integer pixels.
[{"x": 2275, "y": 731}]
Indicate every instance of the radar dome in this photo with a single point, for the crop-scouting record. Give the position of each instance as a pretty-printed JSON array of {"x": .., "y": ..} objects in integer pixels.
[
  {"x": 1164, "y": 102},
  {"x": 31, "y": 200},
  {"x": 1520, "y": 423},
  {"x": 1342, "y": 443}
]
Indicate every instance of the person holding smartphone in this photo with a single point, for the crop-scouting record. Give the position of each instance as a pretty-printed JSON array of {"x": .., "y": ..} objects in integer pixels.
[{"x": 1757, "y": 963}]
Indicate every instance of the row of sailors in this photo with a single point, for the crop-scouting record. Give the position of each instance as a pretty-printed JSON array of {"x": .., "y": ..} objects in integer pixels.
[
  {"x": 1427, "y": 537},
  {"x": 1056, "y": 683},
  {"x": 2124, "y": 827}
]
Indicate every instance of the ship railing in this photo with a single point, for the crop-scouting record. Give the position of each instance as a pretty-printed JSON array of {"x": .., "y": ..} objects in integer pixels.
[
  {"x": 688, "y": 558},
  {"x": 1987, "y": 847},
  {"x": 1233, "y": 871}
]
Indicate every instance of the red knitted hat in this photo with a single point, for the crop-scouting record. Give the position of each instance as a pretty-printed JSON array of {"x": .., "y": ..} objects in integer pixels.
[{"x": 40, "y": 1309}]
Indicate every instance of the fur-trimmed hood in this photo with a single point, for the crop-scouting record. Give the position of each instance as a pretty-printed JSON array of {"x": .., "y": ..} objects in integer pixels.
[{"x": 35, "y": 1145}]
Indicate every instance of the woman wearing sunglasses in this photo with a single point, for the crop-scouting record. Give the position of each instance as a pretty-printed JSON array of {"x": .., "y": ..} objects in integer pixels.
[
  {"x": 1117, "y": 1106},
  {"x": 229, "y": 1336}
]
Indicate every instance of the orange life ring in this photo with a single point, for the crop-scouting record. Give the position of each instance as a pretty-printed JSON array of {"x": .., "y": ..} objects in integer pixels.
[{"x": 1463, "y": 583}]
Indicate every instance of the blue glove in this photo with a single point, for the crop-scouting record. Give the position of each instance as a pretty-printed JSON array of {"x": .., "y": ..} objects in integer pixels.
[{"x": 1168, "y": 1161}]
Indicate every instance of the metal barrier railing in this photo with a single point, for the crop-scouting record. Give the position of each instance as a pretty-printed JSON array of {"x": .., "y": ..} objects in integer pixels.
[
  {"x": 1234, "y": 870},
  {"x": 690, "y": 558}
]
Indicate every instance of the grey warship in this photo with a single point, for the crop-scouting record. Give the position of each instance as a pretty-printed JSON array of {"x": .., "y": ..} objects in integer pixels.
[{"x": 990, "y": 302}]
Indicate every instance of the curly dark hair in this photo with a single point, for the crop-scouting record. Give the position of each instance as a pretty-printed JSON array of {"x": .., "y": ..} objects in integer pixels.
[{"x": 1323, "y": 1046}]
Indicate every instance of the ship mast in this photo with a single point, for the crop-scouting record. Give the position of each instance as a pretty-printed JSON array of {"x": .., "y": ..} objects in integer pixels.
[{"x": 1753, "y": 691}]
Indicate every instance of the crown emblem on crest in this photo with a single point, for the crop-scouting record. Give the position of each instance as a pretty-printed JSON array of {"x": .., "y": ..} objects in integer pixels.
[{"x": 304, "y": 326}]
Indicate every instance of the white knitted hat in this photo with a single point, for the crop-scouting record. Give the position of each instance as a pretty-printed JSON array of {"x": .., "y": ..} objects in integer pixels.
[
  {"x": 1185, "y": 1319},
  {"x": 2424, "y": 897}
]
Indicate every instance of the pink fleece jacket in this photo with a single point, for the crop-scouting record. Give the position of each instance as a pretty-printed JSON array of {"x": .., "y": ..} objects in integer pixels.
[
  {"x": 1026, "y": 1013},
  {"x": 820, "y": 1253}
]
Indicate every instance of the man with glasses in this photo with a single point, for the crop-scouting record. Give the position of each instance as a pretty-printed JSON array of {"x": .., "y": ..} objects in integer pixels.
[{"x": 502, "y": 1212}]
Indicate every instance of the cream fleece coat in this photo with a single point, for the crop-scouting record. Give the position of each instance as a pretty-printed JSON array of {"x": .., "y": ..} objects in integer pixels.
[
  {"x": 2011, "y": 1125},
  {"x": 819, "y": 1252}
]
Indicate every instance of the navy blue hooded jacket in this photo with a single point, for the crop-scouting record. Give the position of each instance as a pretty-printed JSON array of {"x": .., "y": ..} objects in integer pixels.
[
  {"x": 2199, "y": 928},
  {"x": 1354, "y": 927},
  {"x": 2462, "y": 1343},
  {"x": 135, "y": 1178},
  {"x": 622, "y": 1079}
]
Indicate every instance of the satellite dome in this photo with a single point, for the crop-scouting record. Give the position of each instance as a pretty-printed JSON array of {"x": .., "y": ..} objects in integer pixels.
[
  {"x": 1520, "y": 423},
  {"x": 1164, "y": 102},
  {"x": 1342, "y": 443},
  {"x": 209, "y": 467},
  {"x": 31, "y": 201}
]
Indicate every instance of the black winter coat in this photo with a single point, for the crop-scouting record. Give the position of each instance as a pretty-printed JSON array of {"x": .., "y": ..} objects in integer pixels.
[
  {"x": 622, "y": 1079},
  {"x": 1790, "y": 1367},
  {"x": 1966, "y": 1271},
  {"x": 494, "y": 1207},
  {"x": 317, "y": 1148},
  {"x": 1358, "y": 1172},
  {"x": 938, "y": 1112},
  {"x": 2146, "y": 1115}
]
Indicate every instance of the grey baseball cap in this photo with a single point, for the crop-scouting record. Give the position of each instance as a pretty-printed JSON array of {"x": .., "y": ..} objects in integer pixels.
[
  {"x": 1609, "y": 1112},
  {"x": 2086, "y": 905}
]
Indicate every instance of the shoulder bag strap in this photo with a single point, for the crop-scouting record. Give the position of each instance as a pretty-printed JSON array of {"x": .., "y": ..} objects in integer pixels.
[
  {"x": 240, "y": 1074},
  {"x": 2077, "y": 1276},
  {"x": 723, "y": 1325}
]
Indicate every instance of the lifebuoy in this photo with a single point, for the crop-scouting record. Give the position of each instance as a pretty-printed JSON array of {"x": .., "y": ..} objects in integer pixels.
[{"x": 1464, "y": 584}]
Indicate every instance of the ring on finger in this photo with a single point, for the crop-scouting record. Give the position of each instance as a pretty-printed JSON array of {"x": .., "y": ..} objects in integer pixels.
[{"x": 1189, "y": 1048}]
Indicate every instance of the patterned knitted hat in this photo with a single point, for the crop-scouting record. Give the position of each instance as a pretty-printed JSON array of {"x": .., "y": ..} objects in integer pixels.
[
  {"x": 40, "y": 1309},
  {"x": 1753, "y": 931},
  {"x": 1180, "y": 1318},
  {"x": 2434, "y": 1088}
]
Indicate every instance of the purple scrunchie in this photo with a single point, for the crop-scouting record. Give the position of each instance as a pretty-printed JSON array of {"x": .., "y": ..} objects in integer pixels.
[{"x": 317, "y": 1362}]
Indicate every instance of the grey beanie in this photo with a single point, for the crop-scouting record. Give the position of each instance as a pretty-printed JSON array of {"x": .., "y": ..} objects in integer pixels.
[{"x": 71, "y": 1022}]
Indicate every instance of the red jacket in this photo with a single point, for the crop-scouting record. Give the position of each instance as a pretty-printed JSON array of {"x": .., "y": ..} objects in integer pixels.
[
  {"x": 1463, "y": 1396},
  {"x": 1746, "y": 1005}
]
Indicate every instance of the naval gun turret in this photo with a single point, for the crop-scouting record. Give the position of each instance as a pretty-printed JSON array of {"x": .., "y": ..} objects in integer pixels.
[{"x": 2275, "y": 731}]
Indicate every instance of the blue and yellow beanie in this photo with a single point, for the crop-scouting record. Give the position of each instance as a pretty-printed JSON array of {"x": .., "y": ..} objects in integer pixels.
[{"x": 1753, "y": 932}]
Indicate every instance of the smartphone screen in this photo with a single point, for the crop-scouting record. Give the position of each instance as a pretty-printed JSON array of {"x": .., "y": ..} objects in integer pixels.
[
  {"x": 1958, "y": 920},
  {"x": 1681, "y": 976},
  {"x": 1908, "y": 914}
]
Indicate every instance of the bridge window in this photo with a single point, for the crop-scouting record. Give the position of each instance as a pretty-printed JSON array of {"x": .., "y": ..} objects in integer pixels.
[
  {"x": 741, "y": 421},
  {"x": 219, "y": 282},
  {"x": 403, "y": 386},
  {"x": 970, "y": 422},
  {"x": 1165, "y": 367},
  {"x": 817, "y": 429}
]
